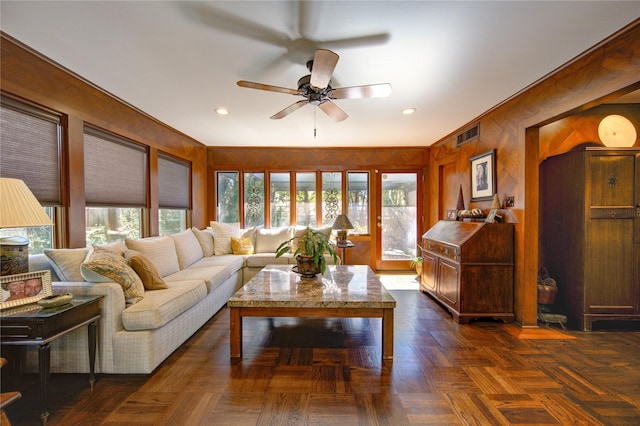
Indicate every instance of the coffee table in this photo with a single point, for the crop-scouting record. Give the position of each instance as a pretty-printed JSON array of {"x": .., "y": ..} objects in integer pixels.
[{"x": 344, "y": 291}]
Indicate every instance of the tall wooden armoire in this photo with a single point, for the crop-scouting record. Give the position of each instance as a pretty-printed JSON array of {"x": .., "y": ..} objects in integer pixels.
[{"x": 590, "y": 233}]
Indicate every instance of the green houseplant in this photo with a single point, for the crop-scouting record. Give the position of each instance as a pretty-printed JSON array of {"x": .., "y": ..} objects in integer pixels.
[{"x": 309, "y": 252}]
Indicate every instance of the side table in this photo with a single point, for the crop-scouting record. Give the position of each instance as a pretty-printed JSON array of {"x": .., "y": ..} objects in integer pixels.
[
  {"x": 32, "y": 325},
  {"x": 344, "y": 246}
]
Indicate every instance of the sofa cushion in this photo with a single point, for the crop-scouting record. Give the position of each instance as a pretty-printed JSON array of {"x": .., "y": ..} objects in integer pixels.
[
  {"x": 205, "y": 238},
  {"x": 242, "y": 245},
  {"x": 213, "y": 276},
  {"x": 260, "y": 260},
  {"x": 188, "y": 248},
  {"x": 148, "y": 273},
  {"x": 66, "y": 262},
  {"x": 297, "y": 232},
  {"x": 159, "y": 307},
  {"x": 222, "y": 233},
  {"x": 110, "y": 265},
  {"x": 235, "y": 263},
  {"x": 268, "y": 240},
  {"x": 161, "y": 251}
]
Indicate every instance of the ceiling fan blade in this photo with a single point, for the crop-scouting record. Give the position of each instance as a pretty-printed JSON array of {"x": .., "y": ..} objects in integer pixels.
[
  {"x": 363, "y": 41},
  {"x": 267, "y": 87},
  {"x": 288, "y": 110},
  {"x": 212, "y": 17},
  {"x": 381, "y": 90},
  {"x": 324, "y": 62},
  {"x": 333, "y": 110}
]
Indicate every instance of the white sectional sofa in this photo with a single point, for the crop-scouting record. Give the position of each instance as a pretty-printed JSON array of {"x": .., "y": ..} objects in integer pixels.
[{"x": 198, "y": 272}]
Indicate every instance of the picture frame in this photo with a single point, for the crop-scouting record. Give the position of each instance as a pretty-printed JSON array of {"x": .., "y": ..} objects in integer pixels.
[
  {"x": 491, "y": 217},
  {"x": 23, "y": 289},
  {"x": 452, "y": 214},
  {"x": 483, "y": 176}
]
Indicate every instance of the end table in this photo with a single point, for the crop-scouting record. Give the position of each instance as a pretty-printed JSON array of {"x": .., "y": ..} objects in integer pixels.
[
  {"x": 33, "y": 325},
  {"x": 344, "y": 246}
]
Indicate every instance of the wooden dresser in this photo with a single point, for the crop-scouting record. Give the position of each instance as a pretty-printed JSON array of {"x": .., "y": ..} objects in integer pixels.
[
  {"x": 468, "y": 268},
  {"x": 590, "y": 233}
]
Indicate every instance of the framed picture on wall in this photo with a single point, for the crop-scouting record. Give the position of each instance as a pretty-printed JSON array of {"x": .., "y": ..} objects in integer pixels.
[{"x": 483, "y": 176}]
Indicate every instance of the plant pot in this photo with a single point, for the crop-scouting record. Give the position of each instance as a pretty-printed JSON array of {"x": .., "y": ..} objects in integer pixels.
[
  {"x": 307, "y": 267},
  {"x": 419, "y": 268},
  {"x": 547, "y": 294}
]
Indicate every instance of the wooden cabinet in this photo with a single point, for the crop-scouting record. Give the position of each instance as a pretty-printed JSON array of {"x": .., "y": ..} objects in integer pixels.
[
  {"x": 590, "y": 233},
  {"x": 468, "y": 268}
]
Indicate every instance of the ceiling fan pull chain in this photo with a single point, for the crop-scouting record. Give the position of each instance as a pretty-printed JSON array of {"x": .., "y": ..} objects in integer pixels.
[{"x": 314, "y": 122}]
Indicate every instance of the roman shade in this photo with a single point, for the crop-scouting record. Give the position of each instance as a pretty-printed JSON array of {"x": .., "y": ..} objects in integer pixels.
[
  {"x": 30, "y": 147},
  {"x": 173, "y": 183},
  {"x": 115, "y": 171}
]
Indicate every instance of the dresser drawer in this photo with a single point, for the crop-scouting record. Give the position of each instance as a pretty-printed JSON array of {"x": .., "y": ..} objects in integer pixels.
[{"x": 442, "y": 249}]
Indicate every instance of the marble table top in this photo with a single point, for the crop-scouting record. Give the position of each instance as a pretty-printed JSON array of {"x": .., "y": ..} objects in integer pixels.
[{"x": 341, "y": 286}]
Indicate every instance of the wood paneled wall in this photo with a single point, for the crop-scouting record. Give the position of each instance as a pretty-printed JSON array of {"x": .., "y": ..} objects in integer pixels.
[
  {"x": 27, "y": 76},
  {"x": 512, "y": 128}
]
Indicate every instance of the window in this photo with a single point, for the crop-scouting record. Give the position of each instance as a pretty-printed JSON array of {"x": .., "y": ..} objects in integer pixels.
[
  {"x": 40, "y": 237},
  {"x": 108, "y": 224},
  {"x": 173, "y": 194},
  {"x": 271, "y": 192},
  {"x": 358, "y": 201},
  {"x": 228, "y": 186},
  {"x": 38, "y": 166},
  {"x": 115, "y": 187},
  {"x": 306, "y": 199},
  {"x": 331, "y": 196},
  {"x": 280, "y": 200},
  {"x": 254, "y": 199}
]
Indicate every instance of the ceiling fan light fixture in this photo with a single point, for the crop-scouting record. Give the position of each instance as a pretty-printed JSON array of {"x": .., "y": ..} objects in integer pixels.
[
  {"x": 222, "y": 111},
  {"x": 408, "y": 111}
]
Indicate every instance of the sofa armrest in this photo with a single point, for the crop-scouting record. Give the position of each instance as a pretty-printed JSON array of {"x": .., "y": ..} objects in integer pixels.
[{"x": 111, "y": 307}]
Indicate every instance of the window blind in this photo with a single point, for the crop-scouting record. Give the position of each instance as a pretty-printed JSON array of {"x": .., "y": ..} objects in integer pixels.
[
  {"x": 173, "y": 183},
  {"x": 30, "y": 149},
  {"x": 115, "y": 171}
]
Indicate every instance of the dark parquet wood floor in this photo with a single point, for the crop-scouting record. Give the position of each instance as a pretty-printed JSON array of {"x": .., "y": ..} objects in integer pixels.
[{"x": 321, "y": 372}]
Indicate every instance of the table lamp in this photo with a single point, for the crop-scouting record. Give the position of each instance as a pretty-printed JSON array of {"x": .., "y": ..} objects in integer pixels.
[
  {"x": 341, "y": 225},
  {"x": 19, "y": 208}
]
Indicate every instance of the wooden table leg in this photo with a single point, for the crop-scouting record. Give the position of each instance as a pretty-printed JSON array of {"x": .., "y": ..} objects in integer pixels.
[
  {"x": 91, "y": 332},
  {"x": 387, "y": 333},
  {"x": 235, "y": 333},
  {"x": 44, "y": 364}
]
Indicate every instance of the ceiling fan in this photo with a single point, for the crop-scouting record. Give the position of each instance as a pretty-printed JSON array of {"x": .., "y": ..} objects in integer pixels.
[{"x": 316, "y": 90}]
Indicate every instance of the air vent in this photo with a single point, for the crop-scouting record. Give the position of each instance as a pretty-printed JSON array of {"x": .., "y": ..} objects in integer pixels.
[{"x": 467, "y": 135}]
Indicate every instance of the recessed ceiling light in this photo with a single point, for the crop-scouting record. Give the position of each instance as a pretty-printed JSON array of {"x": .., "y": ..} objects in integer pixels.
[
  {"x": 222, "y": 111},
  {"x": 408, "y": 111}
]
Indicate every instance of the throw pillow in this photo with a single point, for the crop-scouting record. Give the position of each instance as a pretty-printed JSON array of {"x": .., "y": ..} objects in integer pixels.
[
  {"x": 148, "y": 273},
  {"x": 222, "y": 233},
  {"x": 113, "y": 266},
  {"x": 268, "y": 240},
  {"x": 66, "y": 262},
  {"x": 242, "y": 245},
  {"x": 161, "y": 251},
  {"x": 298, "y": 231},
  {"x": 205, "y": 238},
  {"x": 188, "y": 248}
]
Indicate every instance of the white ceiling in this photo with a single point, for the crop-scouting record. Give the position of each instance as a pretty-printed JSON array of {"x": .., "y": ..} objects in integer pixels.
[{"x": 177, "y": 61}]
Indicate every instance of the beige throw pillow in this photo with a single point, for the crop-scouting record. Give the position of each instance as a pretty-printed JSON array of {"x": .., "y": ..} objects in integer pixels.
[
  {"x": 205, "y": 238},
  {"x": 161, "y": 251},
  {"x": 148, "y": 273},
  {"x": 66, "y": 262}
]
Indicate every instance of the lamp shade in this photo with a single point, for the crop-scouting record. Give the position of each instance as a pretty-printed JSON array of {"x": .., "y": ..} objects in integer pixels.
[
  {"x": 342, "y": 222},
  {"x": 19, "y": 208}
]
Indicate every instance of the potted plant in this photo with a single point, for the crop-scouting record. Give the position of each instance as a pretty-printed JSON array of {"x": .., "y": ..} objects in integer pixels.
[
  {"x": 416, "y": 263},
  {"x": 309, "y": 253}
]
